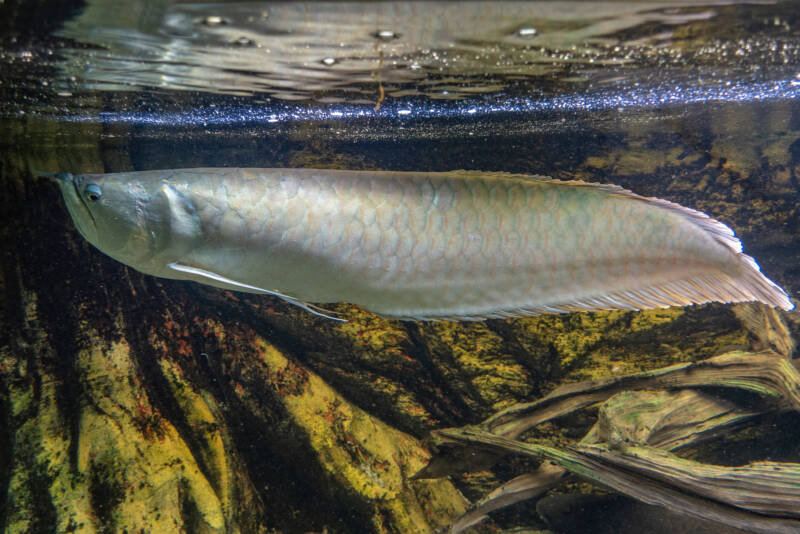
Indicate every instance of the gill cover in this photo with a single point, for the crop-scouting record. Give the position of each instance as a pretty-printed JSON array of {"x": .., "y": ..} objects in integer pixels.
[{"x": 172, "y": 221}]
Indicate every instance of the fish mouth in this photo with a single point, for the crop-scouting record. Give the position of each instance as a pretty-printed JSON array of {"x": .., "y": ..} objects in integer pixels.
[{"x": 68, "y": 184}]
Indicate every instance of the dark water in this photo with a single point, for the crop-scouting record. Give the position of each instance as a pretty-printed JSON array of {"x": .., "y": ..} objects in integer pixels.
[{"x": 692, "y": 102}]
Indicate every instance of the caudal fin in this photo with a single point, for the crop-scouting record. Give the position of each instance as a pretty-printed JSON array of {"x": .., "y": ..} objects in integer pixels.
[{"x": 753, "y": 285}]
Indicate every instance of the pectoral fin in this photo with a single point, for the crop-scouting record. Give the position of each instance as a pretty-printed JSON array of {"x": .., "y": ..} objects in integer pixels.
[{"x": 202, "y": 273}]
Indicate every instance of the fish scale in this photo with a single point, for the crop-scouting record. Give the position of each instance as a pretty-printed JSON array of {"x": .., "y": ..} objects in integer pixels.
[{"x": 456, "y": 245}]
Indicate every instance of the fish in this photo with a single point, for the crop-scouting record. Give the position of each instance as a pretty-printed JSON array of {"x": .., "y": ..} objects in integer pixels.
[{"x": 458, "y": 245}]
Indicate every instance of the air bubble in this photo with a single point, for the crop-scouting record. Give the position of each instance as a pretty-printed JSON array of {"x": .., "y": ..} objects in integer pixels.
[
  {"x": 214, "y": 20},
  {"x": 385, "y": 35}
]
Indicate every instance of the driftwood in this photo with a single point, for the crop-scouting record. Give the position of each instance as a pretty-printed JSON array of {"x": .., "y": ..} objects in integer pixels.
[
  {"x": 759, "y": 497},
  {"x": 521, "y": 488},
  {"x": 693, "y": 417},
  {"x": 766, "y": 374},
  {"x": 768, "y": 326},
  {"x": 630, "y": 448},
  {"x": 669, "y": 420}
]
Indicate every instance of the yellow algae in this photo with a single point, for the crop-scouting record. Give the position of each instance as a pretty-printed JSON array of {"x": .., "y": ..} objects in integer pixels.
[
  {"x": 321, "y": 155},
  {"x": 600, "y": 344},
  {"x": 201, "y": 418},
  {"x": 405, "y": 402},
  {"x": 597, "y": 162},
  {"x": 650, "y": 318},
  {"x": 736, "y": 145},
  {"x": 47, "y": 447},
  {"x": 382, "y": 339},
  {"x": 641, "y": 161},
  {"x": 366, "y": 456},
  {"x": 44, "y": 472},
  {"x": 383, "y": 343},
  {"x": 109, "y": 472},
  {"x": 658, "y": 338},
  {"x": 569, "y": 336},
  {"x": 478, "y": 355},
  {"x": 158, "y": 472}
]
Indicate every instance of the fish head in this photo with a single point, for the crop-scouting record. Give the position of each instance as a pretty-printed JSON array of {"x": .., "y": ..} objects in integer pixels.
[{"x": 136, "y": 220}]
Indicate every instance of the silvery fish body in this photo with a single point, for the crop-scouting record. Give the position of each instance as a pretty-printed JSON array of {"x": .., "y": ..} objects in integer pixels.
[{"x": 455, "y": 245}]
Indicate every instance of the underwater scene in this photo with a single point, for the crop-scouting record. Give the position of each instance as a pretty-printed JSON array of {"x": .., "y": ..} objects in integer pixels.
[{"x": 399, "y": 267}]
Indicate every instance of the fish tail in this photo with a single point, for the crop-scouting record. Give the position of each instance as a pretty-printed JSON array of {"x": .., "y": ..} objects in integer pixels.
[
  {"x": 753, "y": 285},
  {"x": 746, "y": 283}
]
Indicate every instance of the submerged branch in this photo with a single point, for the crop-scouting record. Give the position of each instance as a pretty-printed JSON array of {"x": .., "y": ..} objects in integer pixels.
[
  {"x": 521, "y": 488},
  {"x": 760, "y": 497},
  {"x": 765, "y": 373},
  {"x": 642, "y": 418},
  {"x": 772, "y": 377}
]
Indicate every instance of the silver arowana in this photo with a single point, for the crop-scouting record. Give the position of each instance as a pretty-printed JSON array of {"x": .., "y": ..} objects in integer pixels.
[{"x": 455, "y": 245}]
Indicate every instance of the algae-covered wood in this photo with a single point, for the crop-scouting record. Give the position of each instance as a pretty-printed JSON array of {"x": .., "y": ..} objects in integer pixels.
[
  {"x": 627, "y": 449},
  {"x": 688, "y": 487}
]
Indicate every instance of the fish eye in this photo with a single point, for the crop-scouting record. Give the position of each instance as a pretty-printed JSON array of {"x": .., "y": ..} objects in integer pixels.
[{"x": 93, "y": 192}]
